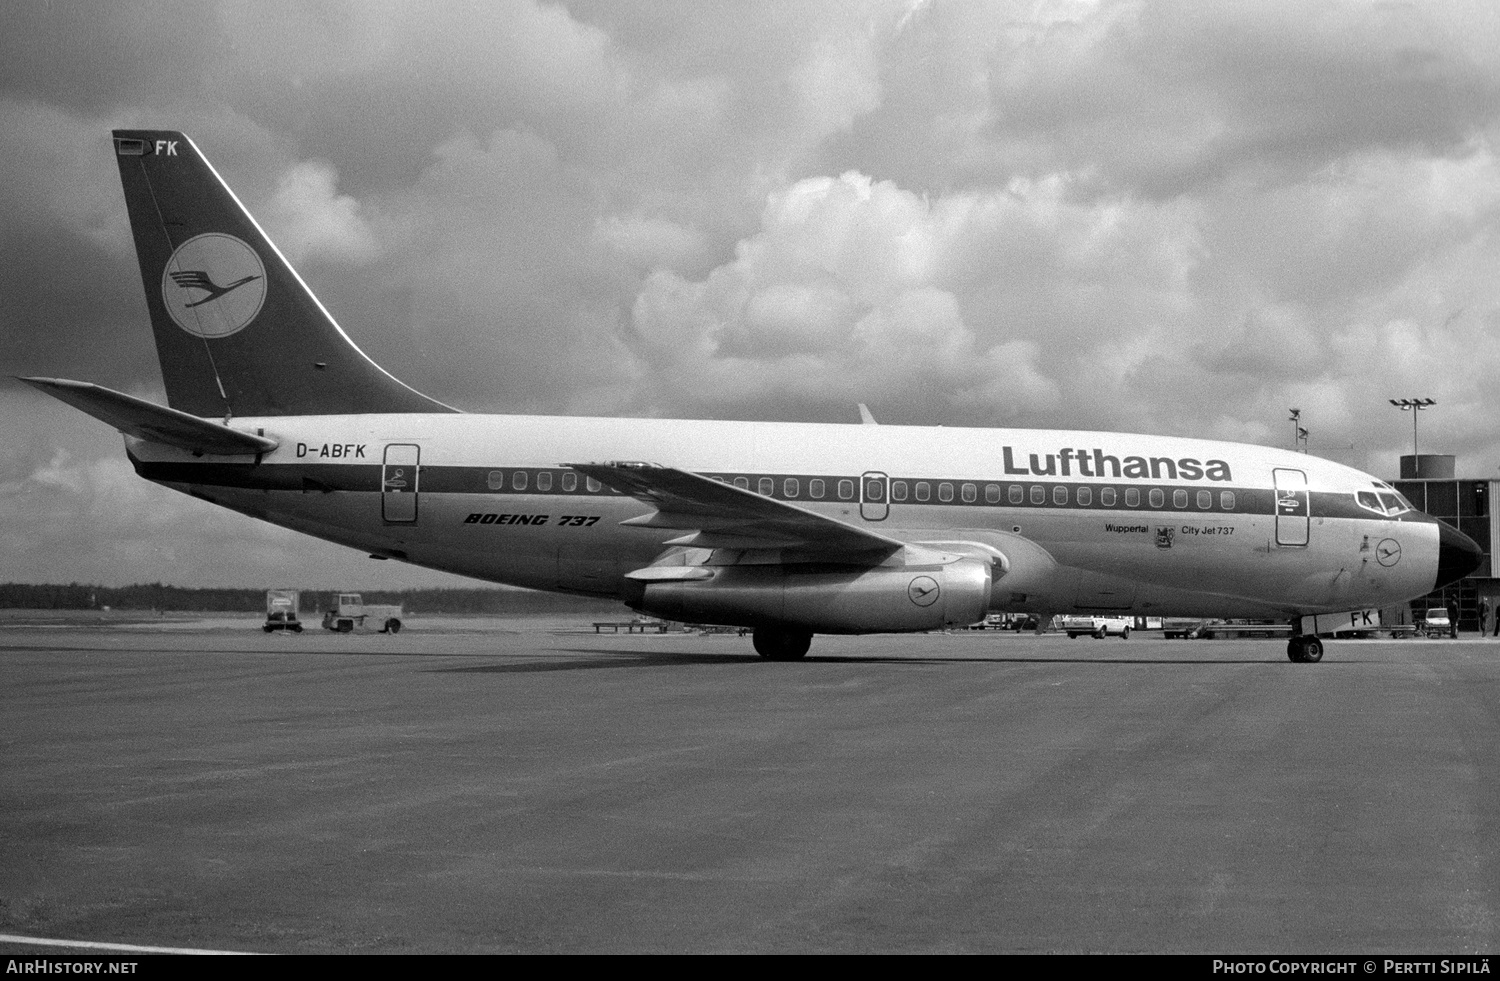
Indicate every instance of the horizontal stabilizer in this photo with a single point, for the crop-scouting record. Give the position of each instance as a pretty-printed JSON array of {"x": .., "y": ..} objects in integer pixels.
[{"x": 149, "y": 421}]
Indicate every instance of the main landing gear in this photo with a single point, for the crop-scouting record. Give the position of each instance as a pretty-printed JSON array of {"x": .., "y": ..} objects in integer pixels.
[
  {"x": 1305, "y": 650},
  {"x": 780, "y": 645}
]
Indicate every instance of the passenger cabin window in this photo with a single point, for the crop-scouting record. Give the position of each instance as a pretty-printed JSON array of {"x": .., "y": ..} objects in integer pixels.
[
  {"x": 766, "y": 486},
  {"x": 898, "y": 490},
  {"x": 1205, "y": 500},
  {"x": 544, "y": 480},
  {"x": 1085, "y": 496},
  {"x": 1157, "y": 497},
  {"x": 497, "y": 480},
  {"x": 874, "y": 490},
  {"x": 592, "y": 485},
  {"x": 1107, "y": 497},
  {"x": 846, "y": 490},
  {"x": 1038, "y": 494},
  {"x": 1226, "y": 500},
  {"x": 743, "y": 483},
  {"x": 815, "y": 488},
  {"x": 1059, "y": 494},
  {"x": 518, "y": 480},
  {"x": 1179, "y": 499},
  {"x": 924, "y": 490},
  {"x": 570, "y": 482},
  {"x": 969, "y": 493},
  {"x": 945, "y": 492},
  {"x": 1132, "y": 497},
  {"x": 790, "y": 487},
  {"x": 992, "y": 493},
  {"x": 1016, "y": 494}
]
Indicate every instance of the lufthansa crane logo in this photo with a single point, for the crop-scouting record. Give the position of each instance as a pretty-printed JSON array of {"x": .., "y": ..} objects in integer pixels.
[
  {"x": 213, "y": 285},
  {"x": 923, "y": 591},
  {"x": 1388, "y": 552}
]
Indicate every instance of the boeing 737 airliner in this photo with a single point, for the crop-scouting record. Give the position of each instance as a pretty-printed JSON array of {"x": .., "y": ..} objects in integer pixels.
[{"x": 788, "y": 529}]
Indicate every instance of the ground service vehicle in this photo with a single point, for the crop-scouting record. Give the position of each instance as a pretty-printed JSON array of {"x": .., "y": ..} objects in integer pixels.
[
  {"x": 1187, "y": 628},
  {"x": 785, "y": 529},
  {"x": 1436, "y": 623},
  {"x": 281, "y": 611},
  {"x": 1097, "y": 627},
  {"x": 350, "y": 613}
]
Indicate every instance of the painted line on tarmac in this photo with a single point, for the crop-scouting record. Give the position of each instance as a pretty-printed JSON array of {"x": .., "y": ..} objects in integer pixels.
[{"x": 122, "y": 948}]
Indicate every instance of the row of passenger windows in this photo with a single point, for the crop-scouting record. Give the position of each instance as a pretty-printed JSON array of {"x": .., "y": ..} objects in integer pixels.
[
  {"x": 521, "y": 480},
  {"x": 920, "y": 491},
  {"x": 817, "y": 487},
  {"x": 1059, "y": 494}
]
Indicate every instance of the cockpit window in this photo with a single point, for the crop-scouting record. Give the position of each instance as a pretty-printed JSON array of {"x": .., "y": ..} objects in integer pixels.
[
  {"x": 1385, "y": 499},
  {"x": 1395, "y": 503}
]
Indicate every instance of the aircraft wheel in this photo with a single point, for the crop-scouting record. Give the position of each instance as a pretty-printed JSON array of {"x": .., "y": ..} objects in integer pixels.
[
  {"x": 780, "y": 645},
  {"x": 1304, "y": 650}
]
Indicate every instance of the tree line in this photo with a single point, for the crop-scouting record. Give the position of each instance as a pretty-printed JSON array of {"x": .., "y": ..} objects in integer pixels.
[{"x": 158, "y": 596}]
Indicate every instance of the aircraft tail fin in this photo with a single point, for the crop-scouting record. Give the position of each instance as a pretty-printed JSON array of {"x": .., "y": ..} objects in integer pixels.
[{"x": 237, "y": 331}]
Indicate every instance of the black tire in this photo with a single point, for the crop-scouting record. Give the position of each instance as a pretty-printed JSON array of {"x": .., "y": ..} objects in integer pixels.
[
  {"x": 1101, "y": 633},
  {"x": 393, "y": 626},
  {"x": 1305, "y": 650},
  {"x": 1072, "y": 636},
  {"x": 780, "y": 645},
  {"x": 297, "y": 629},
  {"x": 268, "y": 628},
  {"x": 1125, "y": 634},
  {"x": 345, "y": 627}
]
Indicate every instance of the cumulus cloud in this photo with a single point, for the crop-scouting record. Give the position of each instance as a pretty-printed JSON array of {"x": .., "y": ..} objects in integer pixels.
[
  {"x": 842, "y": 296},
  {"x": 307, "y": 217}
]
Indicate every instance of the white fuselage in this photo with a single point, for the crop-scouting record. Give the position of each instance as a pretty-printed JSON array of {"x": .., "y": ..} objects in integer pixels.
[{"x": 1085, "y": 520}]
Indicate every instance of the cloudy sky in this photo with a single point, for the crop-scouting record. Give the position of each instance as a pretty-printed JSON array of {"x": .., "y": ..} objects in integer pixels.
[{"x": 1167, "y": 217}]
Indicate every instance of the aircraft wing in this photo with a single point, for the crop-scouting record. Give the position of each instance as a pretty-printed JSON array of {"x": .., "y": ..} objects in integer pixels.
[
  {"x": 157, "y": 423},
  {"x": 720, "y": 515}
]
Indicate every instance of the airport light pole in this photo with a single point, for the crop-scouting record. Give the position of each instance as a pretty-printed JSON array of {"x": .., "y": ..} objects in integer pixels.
[
  {"x": 1299, "y": 435},
  {"x": 1413, "y": 406}
]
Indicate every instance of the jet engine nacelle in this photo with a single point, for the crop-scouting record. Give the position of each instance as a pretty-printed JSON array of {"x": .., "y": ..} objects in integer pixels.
[{"x": 822, "y": 600}]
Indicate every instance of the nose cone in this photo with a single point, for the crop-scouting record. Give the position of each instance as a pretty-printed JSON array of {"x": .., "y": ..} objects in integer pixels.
[{"x": 1458, "y": 555}]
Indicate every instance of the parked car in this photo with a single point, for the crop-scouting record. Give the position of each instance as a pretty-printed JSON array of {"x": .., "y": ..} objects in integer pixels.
[
  {"x": 1436, "y": 623},
  {"x": 1096, "y": 626}
]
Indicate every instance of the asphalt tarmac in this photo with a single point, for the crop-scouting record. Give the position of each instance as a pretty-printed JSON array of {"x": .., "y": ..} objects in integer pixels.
[{"x": 528, "y": 786}]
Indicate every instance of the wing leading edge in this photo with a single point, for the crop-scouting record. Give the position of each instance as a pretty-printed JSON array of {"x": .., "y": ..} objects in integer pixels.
[{"x": 720, "y": 515}]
